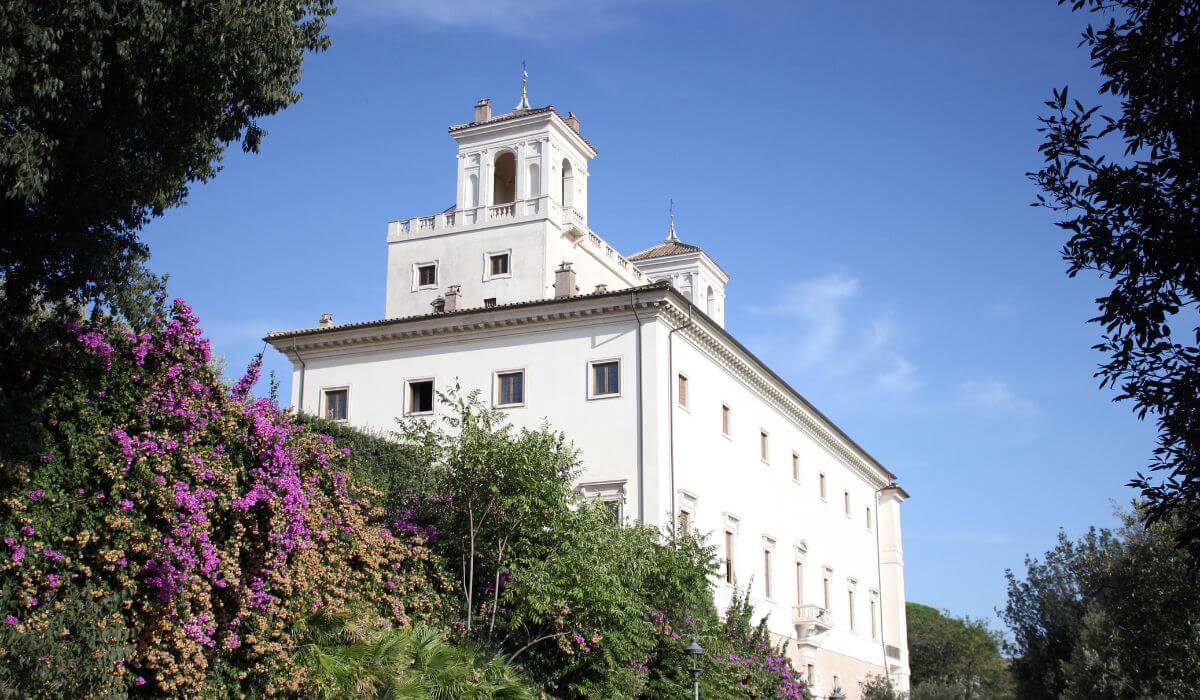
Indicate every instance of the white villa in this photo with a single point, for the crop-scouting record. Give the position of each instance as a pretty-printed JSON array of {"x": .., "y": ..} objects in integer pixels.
[{"x": 510, "y": 292}]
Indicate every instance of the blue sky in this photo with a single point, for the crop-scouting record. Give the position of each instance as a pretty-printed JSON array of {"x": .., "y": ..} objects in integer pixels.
[{"x": 857, "y": 167}]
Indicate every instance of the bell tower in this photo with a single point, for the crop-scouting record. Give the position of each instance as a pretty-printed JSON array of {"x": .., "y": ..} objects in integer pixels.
[{"x": 525, "y": 162}]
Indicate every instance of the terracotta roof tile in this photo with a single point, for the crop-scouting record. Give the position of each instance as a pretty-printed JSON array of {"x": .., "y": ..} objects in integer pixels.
[{"x": 666, "y": 248}]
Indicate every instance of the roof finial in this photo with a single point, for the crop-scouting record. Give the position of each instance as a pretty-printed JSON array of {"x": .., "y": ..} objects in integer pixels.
[
  {"x": 523, "y": 105},
  {"x": 671, "y": 235}
]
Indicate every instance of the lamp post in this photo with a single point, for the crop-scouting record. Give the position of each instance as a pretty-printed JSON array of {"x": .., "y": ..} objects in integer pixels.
[{"x": 695, "y": 651}]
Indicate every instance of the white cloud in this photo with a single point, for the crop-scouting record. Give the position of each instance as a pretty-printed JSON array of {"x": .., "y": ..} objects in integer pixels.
[
  {"x": 515, "y": 17},
  {"x": 828, "y": 340},
  {"x": 995, "y": 395}
]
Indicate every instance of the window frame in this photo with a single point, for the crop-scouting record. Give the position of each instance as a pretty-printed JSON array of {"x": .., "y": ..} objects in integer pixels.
[
  {"x": 726, "y": 420},
  {"x": 851, "y": 599},
  {"x": 683, "y": 393},
  {"x": 325, "y": 391},
  {"x": 487, "y": 265},
  {"x": 729, "y": 560},
  {"x": 611, "y": 491},
  {"x": 408, "y": 396},
  {"x": 768, "y": 559},
  {"x": 764, "y": 445},
  {"x": 795, "y": 467},
  {"x": 592, "y": 395},
  {"x": 846, "y": 503},
  {"x": 496, "y": 403},
  {"x": 822, "y": 486},
  {"x": 416, "y": 275}
]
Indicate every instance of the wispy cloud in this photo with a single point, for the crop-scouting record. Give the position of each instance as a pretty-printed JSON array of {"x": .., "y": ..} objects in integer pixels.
[
  {"x": 827, "y": 338},
  {"x": 515, "y": 17},
  {"x": 994, "y": 395}
]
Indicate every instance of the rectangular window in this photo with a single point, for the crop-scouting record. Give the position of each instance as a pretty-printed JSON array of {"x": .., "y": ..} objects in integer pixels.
[
  {"x": 811, "y": 675},
  {"x": 420, "y": 396},
  {"x": 764, "y": 450},
  {"x": 606, "y": 378},
  {"x": 510, "y": 388},
  {"x": 767, "y": 573},
  {"x": 799, "y": 583},
  {"x": 869, "y": 521},
  {"x": 850, "y": 608},
  {"x": 728, "y": 556},
  {"x": 685, "y": 520},
  {"x": 795, "y": 467},
  {"x": 846, "y": 502},
  {"x": 489, "y": 303},
  {"x": 683, "y": 391},
  {"x": 613, "y": 506},
  {"x": 726, "y": 419},
  {"x": 821, "y": 484},
  {"x": 874, "y": 612},
  {"x": 499, "y": 264},
  {"x": 427, "y": 275},
  {"x": 825, "y": 589},
  {"x": 337, "y": 404}
]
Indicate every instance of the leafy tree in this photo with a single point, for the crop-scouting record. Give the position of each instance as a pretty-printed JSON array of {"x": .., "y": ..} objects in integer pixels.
[
  {"x": 587, "y": 606},
  {"x": 108, "y": 111},
  {"x": 1114, "y": 614},
  {"x": 960, "y": 657},
  {"x": 1128, "y": 184}
]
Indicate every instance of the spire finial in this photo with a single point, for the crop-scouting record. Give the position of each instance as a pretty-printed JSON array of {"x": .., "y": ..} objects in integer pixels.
[
  {"x": 523, "y": 105},
  {"x": 671, "y": 235}
]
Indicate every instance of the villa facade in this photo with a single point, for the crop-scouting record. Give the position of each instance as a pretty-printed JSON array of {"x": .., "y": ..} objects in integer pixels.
[{"x": 510, "y": 292}]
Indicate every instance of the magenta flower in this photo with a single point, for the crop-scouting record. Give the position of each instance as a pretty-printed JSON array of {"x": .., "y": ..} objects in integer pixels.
[
  {"x": 126, "y": 504},
  {"x": 10, "y": 620}
]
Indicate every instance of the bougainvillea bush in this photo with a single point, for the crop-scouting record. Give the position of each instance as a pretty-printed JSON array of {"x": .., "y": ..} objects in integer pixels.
[{"x": 175, "y": 532}]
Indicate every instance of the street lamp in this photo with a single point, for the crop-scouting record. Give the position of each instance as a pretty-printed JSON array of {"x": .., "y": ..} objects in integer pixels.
[{"x": 695, "y": 651}]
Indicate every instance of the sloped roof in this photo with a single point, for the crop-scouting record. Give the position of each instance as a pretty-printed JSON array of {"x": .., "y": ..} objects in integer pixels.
[
  {"x": 517, "y": 114},
  {"x": 667, "y": 248}
]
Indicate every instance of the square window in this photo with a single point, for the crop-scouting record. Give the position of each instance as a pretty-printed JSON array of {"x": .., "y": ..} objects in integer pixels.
[
  {"x": 337, "y": 404},
  {"x": 510, "y": 388},
  {"x": 498, "y": 264},
  {"x": 726, "y": 419},
  {"x": 427, "y": 275},
  {"x": 683, "y": 391},
  {"x": 420, "y": 396},
  {"x": 606, "y": 378},
  {"x": 489, "y": 303}
]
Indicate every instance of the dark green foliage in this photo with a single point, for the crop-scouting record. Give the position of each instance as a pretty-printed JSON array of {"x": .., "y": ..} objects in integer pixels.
[
  {"x": 1113, "y": 614},
  {"x": 1128, "y": 184},
  {"x": 79, "y": 664},
  {"x": 954, "y": 657},
  {"x": 108, "y": 111}
]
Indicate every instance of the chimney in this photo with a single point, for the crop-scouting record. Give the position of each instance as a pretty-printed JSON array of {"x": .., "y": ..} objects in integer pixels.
[
  {"x": 564, "y": 281},
  {"x": 573, "y": 122},
  {"x": 326, "y": 320},
  {"x": 600, "y": 289},
  {"x": 483, "y": 110},
  {"x": 439, "y": 305},
  {"x": 451, "y": 301}
]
